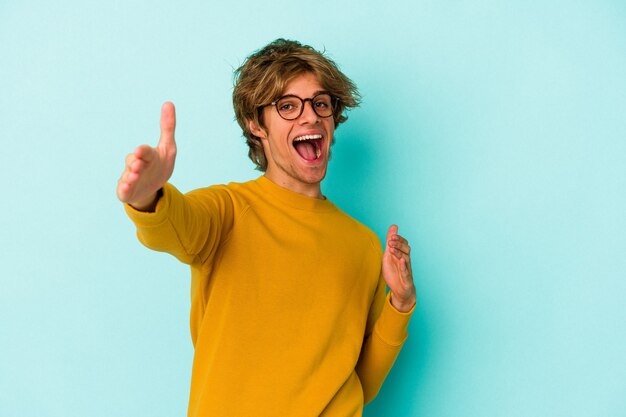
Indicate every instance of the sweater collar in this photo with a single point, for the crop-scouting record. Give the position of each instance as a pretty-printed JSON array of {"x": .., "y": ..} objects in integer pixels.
[{"x": 293, "y": 199}]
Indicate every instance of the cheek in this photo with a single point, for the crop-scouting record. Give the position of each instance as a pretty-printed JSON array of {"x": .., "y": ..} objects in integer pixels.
[
  {"x": 279, "y": 131},
  {"x": 277, "y": 139},
  {"x": 331, "y": 130},
  {"x": 266, "y": 149}
]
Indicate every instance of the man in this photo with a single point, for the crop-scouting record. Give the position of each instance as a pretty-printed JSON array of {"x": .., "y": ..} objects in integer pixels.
[{"x": 289, "y": 315}]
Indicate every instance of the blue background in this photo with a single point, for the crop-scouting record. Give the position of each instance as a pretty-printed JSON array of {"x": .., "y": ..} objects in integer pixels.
[{"x": 493, "y": 133}]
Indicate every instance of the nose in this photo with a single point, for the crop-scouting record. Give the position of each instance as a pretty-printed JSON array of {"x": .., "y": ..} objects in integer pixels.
[{"x": 308, "y": 114}]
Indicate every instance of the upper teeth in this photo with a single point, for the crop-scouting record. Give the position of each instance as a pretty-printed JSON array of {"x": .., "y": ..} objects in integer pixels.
[{"x": 307, "y": 137}]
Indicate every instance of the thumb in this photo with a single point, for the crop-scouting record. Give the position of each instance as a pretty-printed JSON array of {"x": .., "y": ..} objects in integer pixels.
[
  {"x": 393, "y": 230},
  {"x": 168, "y": 125}
]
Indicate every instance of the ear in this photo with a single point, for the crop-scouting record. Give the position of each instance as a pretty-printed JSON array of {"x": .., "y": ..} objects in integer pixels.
[{"x": 257, "y": 130}]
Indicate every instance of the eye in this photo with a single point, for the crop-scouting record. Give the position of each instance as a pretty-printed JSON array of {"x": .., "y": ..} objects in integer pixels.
[
  {"x": 323, "y": 101},
  {"x": 288, "y": 105}
]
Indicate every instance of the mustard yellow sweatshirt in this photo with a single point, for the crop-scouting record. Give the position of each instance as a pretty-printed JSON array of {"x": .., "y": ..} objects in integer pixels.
[{"x": 288, "y": 309}]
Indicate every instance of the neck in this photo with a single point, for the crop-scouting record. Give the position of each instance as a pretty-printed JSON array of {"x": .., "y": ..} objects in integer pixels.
[{"x": 313, "y": 190}]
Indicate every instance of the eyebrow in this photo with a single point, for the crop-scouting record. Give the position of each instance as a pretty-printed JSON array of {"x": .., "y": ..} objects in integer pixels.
[{"x": 316, "y": 93}]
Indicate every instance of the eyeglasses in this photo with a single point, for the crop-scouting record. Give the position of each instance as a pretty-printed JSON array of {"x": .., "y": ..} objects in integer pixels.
[{"x": 290, "y": 107}]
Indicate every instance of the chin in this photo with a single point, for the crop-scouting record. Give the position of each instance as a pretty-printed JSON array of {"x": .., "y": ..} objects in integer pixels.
[{"x": 308, "y": 178}]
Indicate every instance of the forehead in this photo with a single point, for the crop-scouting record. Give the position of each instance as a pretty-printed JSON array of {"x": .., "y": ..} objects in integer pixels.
[{"x": 303, "y": 85}]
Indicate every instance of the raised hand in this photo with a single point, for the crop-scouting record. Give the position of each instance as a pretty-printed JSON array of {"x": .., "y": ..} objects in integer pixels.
[
  {"x": 397, "y": 270},
  {"x": 148, "y": 169}
]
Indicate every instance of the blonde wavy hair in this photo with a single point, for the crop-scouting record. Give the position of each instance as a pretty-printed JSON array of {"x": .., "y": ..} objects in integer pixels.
[{"x": 264, "y": 75}]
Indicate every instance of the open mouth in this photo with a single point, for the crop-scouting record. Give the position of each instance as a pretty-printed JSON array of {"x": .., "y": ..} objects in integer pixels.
[{"x": 309, "y": 147}]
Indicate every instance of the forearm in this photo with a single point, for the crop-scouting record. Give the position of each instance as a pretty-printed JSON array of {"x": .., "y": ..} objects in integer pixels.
[
  {"x": 155, "y": 228},
  {"x": 381, "y": 349},
  {"x": 179, "y": 224}
]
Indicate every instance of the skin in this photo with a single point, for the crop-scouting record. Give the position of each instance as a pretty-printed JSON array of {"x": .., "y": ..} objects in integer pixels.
[
  {"x": 148, "y": 169},
  {"x": 285, "y": 167}
]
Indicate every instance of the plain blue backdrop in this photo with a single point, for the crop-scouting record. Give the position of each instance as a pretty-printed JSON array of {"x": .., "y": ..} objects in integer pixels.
[{"x": 492, "y": 132}]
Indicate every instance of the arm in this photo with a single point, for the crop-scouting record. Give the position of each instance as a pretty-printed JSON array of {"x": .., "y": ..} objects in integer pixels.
[
  {"x": 186, "y": 226},
  {"x": 391, "y": 315},
  {"x": 189, "y": 226},
  {"x": 148, "y": 169}
]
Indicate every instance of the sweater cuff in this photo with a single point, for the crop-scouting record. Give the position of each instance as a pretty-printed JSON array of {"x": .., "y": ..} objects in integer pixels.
[
  {"x": 392, "y": 324},
  {"x": 160, "y": 213}
]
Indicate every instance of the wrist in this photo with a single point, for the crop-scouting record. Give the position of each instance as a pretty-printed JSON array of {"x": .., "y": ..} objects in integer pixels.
[
  {"x": 403, "y": 305},
  {"x": 147, "y": 204}
]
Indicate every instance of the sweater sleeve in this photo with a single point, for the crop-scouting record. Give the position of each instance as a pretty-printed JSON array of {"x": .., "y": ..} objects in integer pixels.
[
  {"x": 382, "y": 344},
  {"x": 188, "y": 226}
]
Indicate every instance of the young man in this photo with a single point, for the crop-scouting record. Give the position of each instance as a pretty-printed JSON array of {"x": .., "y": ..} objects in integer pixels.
[{"x": 289, "y": 312}]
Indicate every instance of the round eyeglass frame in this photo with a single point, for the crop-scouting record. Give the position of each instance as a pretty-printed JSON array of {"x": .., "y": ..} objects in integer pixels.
[{"x": 334, "y": 102}]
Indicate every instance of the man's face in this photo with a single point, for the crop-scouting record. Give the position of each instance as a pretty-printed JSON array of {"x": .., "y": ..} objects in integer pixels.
[{"x": 297, "y": 151}]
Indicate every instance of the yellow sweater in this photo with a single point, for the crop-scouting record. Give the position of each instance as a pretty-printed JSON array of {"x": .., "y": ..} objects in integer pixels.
[{"x": 288, "y": 309}]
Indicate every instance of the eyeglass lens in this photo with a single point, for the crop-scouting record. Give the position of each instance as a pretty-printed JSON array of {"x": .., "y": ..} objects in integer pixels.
[{"x": 291, "y": 107}]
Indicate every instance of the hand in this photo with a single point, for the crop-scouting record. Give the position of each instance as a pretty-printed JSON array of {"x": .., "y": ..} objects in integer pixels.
[
  {"x": 397, "y": 270},
  {"x": 148, "y": 169}
]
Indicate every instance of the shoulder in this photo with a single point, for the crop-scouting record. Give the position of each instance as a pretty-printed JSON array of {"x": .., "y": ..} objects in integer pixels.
[
  {"x": 360, "y": 231},
  {"x": 230, "y": 190},
  {"x": 232, "y": 195}
]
